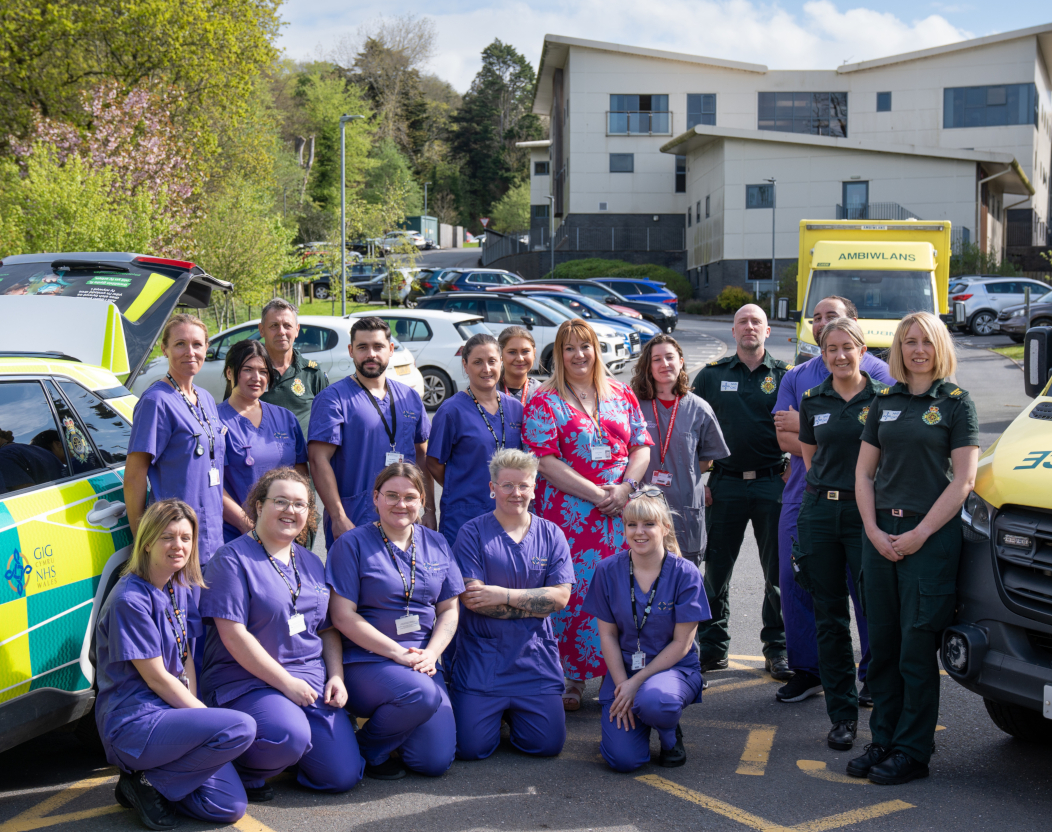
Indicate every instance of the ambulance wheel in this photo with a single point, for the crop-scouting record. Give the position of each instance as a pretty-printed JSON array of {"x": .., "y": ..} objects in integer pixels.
[
  {"x": 87, "y": 731},
  {"x": 1022, "y": 723}
]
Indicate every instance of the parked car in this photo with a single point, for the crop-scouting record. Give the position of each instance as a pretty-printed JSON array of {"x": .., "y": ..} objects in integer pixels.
[
  {"x": 477, "y": 279},
  {"x": 635, "y": 288},
  {"x": 584, "y": 307},
  {"x": 500, "y": 310},
  {"x": 662, "y": 315},
  {"x": 628, "y": 335},
  {"x": 435, "y": 339},
  {"x": 1012, "y": 320},
  {"x": 322, "y": 338},
  {"x": 984, "y": 298},
  {"x": 63, "y": 355},
  {"x": 396, "y": 240}
]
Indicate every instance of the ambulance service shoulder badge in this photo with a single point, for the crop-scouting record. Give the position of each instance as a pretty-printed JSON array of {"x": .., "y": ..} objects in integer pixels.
[
  {"x": 933, "y": 416},
  {"x": 298, "y": 388},
  {"x": 863, "y": 414},
  {"x": 768, "y": 386}
]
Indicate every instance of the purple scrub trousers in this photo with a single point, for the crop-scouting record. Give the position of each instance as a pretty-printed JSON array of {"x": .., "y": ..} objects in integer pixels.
[{"x": 538, "y": 724}]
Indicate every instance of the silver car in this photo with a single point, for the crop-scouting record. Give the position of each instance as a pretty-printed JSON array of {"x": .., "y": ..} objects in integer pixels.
[{"x": 985, "y": 296}]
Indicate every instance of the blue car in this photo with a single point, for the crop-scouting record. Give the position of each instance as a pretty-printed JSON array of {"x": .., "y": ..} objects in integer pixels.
[
  {"x": 588, "y": 308},
  {"x": 636, "y": 288},
  {"x": 633, "y": 342}
]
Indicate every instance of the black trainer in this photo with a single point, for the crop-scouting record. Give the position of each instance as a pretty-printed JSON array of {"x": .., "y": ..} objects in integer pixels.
[
  {"x": 389, "y": 769},
  {"x": 860, "y": 766},
  {"x": 675, "y": 756},
  {"x": 714, "y": 664},
  {"x": 802, "y": 686},
  {"x": 842, "y": 735},
  {"x": 260, "y": 795},
  {"x": 778, "y": 667},
  {"x": 897, "y": 768},
  {"x": 154, "y": 811},
  {"x": 865, "y": 698}
]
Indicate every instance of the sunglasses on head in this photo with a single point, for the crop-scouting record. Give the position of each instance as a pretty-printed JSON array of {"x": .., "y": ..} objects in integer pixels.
[{"x": 647, "y": 491}]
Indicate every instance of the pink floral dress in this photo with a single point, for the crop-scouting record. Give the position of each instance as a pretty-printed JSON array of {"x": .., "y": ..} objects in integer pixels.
[{"x": 552, "y": 427}]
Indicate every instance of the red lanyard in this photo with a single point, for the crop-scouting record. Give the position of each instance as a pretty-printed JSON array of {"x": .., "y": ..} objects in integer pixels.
[
  {"x": 522, "y": 395},
  {"x": 671, "y": 423}
]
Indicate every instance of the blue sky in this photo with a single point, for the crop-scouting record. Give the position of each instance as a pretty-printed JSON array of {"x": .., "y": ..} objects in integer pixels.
[{"x": 804, "y": 34}]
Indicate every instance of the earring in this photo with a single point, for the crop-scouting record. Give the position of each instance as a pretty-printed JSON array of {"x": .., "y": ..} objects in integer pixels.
[{"x": 492, "y": 495}]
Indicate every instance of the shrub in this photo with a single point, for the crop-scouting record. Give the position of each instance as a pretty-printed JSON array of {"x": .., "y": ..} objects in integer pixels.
[
  {"x": 732, "y": 298},
  {"x": 598, "y": 267},
  {"x": 702, "y": 307}
]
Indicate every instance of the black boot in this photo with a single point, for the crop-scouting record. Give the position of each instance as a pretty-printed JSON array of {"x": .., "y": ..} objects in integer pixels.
[
  {"x": 154, "y": 810},
  {"x": 675, "y": 756},
  {"x": 842, "y": 735},
  {"x": 860, "y": 766},
  {"x": 389, "y": 769},
  {"x": 897, "y": 768}
]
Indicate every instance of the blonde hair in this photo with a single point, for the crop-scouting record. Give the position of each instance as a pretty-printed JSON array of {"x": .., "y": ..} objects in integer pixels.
[
  {"x": 512, "y": 459},
  {"x": 178, "y": 320},
  {"x": 945, "y": 363},
  {"x": 653, "y": 510},
  {"x": 579, "y": 329},
  {"x": 848, "y": 325},
  {"x": 155, "y": 520}
]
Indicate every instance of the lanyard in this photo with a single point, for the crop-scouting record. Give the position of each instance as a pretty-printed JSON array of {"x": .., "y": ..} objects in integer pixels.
[
  {"x": 391, "y": 430},
  {"x": 522, "y": 396},
  {"x": 206, "y": 424},
  {"x": 593, "y": 417},
  {"x": 295, "y": 571},
  {"x": 650, "y": 598},
  {"x": 412, "y": 566},
  {"x": 671, "y": 422},
  {"x": 500, "y": 409},
  {"x": 181, "y": 640}
]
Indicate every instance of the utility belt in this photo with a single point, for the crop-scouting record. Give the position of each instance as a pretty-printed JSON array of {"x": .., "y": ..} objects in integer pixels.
[
  {"x": 830, "y": 495},
  {"x": 759, "y": 473}
]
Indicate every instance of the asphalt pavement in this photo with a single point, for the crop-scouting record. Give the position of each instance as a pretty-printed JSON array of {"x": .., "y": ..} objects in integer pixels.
[{"x": 753, "y": 763}]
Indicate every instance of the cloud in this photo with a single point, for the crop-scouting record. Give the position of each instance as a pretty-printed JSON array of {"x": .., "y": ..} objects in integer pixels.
[{"x": 816, "y": 36}]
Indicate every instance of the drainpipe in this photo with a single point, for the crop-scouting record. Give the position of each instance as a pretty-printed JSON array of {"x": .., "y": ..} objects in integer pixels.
[{"x": 979, "y": 201}]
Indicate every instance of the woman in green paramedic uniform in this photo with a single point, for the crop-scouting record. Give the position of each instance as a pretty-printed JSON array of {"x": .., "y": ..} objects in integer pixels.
[
  {"x": 909, "y": 501},
  {"x": 830, "y": 528}
]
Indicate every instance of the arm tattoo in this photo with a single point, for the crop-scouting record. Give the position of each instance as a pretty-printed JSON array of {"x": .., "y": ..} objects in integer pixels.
[
  {"x": 538, "y": 601},
  {"x": 504, "y": 611}
]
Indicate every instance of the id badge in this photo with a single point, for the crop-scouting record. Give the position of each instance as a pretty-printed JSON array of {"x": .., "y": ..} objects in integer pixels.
[
  {"x": 213, "y": 476},
  {"x": 728, "y": 387},
  {"x": 185, "y": 680},
  {"x": 407, "y": 624},
  {"x": 639, "y": 660},
  {"x": 890, "y": 415},
  {"x": 821, "y": 419},
  {"x": 661, "y": 478},
  {"x": 297, "y": 624},
  {"x": 391, "y": 457},
  {"x": 601, "y": 453}
]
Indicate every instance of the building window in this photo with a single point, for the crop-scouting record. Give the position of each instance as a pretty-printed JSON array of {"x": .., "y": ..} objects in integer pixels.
[
  {"x": 706, "y": 207},
  {"x": 701, "y": 109},
  {"x": 883, "y": 102},
  {"x": 681, "y": 174},
  {"x": 622, "y": 162},
  {"x": 990, "y": 106},
  {"x": 539, "y": 212},
  {"x": 759, "y": 196},
  {"x": 688, "y": 216},
  {"x": 633, "y": 115},
  {"x": 812, "y": 113},
  {"x": 698, "y": 209},
  {"x": 542, "y": 168}
]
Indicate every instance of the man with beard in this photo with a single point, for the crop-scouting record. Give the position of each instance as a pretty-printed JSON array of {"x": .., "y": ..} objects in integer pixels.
[
  {"x": 745, "y": 486},
  {"x": 301, "y": 379},
  {"x": 360, "y": 425}
]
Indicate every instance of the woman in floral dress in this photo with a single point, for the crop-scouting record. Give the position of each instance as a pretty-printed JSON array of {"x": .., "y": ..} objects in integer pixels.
[{"x": 591, "y": 438}]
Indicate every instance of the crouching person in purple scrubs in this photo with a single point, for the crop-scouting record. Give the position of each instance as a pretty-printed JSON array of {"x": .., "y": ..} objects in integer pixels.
[
  {"x": 517, "y": 572},
  {"x": 173, "y": 752},
  {"x": 395, "y": 588},
  {"x": 648, "y": 601},
  {"x": 272, "y": 652}
]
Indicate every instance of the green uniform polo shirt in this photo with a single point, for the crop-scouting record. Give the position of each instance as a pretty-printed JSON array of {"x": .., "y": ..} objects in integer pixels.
[
  {"x": 835, "y": 426},
  {"x": 742, "y": 400},
  {"x": 296, "y": 389},
  {"x": 915, "y": 435}
]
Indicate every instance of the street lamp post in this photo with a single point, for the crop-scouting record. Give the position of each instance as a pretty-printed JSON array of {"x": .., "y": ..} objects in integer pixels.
[
  {"x": 551, "y": 229},
  {"x": 343, "y": 212},
  {"x": 774, "y": 283},
  {"x": 424, "y": 219}
]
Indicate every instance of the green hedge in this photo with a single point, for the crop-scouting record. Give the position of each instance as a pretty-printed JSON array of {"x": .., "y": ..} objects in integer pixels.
[{"x": 598, "y": 267}]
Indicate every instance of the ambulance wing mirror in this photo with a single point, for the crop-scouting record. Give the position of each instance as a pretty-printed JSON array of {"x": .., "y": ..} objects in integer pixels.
[
  {"x": 1037, "y": 359},
  {"x": 783, "y": 309},
  {"x": 795, "y": 315}
]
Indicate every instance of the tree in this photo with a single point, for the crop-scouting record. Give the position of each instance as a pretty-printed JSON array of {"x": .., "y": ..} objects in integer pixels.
[
  {"x": 512, "y": 211},
  {"x": 389, "y": 173}
]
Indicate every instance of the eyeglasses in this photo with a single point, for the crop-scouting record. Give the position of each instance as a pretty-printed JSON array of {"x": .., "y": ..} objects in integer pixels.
[
  {"x": 281, "y": 504},
  {"x": 647, "y": 491},
  {"x": 392, "y": 498},
  {"x": 520, "y": 487}
]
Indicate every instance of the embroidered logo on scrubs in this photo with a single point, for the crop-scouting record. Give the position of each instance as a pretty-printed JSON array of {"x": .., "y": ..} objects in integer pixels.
[
  {"x": 665, "y": 606},
  {"x": 298, "y": 388},
  {"x": 78, "y": 445},
  {"x": 863, "y": 414},
  {"x": 538, "y": 560},
  {"x": 281, "y": 436},
  {"x": 432, "y": 566},
  {"x": 933, "y": 416},
  {"x": 768, "y": 386},
  {"x": 16, "y": 573}
]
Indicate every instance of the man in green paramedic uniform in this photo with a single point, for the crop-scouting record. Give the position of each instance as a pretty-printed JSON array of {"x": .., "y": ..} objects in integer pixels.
[
  {"x": 300, "y": 380},
  {"x": 746, "y": 486}
]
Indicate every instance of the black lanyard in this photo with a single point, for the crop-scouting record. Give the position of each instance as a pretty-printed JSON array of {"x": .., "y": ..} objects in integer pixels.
[
  {"x": 411, "y": 586},
  {"x": 182, "y": 642},
  {"x": 392, "y": 431},
  {"x": 295, "y": 571},
  {"x": 205, "y": 423},
  {"x": 650, "y": 598},
  {"x": 500, "y": 409}
]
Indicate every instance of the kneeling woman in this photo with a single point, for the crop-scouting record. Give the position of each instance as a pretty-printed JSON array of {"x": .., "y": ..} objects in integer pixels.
[
  {"x": 167, "y": 744},
  {"x": 272, "y": 652},
  {"x": 395, "y": 588},
  {"x": 517, "y": 571},
  {"x": 648, "y": 601}
]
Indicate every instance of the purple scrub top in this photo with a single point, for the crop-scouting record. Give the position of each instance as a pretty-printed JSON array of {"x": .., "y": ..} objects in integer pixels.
[
  {"x": 516, "y": 657},
  {"x": 791, "y": 391},
  {"x": 462, "y": 442},
  {"x": 342, "y": 415},
  {"x": 163, "y": 427},
  {"x": 680, "y": 597},
  {"x": 133, "y": 625},
  {"x": 244, "y": 587},
  {"x": 277, "y": 442},
  {"x": 360, "y": 569}
]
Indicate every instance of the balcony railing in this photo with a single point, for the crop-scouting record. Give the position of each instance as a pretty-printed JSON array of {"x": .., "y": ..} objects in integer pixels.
[
  {"x": 638, "y": 123},
  {"x": 874, "y": 211},
  {"x": 607, "y": 238}
]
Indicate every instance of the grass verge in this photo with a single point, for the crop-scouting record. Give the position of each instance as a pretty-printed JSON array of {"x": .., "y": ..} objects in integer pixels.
[{"x": 1014, "y": 352}]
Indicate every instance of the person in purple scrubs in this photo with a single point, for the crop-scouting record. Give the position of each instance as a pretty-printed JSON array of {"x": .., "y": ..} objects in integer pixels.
[
  {"x": 259, "y": 436},
  {"x": 648, "y": 601},
  {"x": 177, "y": 442},
  {"x": 467, "y": 430},
  {"x": 173, "y": 752},
  {"x": 360, "y": 425},
  {"x": 395, "y": 587},
  {"x": 272, "y": 652},
  {"x": 517, "y": 572}
]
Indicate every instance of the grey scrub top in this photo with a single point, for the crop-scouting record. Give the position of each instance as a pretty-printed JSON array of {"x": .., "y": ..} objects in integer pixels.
[{"x": 695, "y": 436}]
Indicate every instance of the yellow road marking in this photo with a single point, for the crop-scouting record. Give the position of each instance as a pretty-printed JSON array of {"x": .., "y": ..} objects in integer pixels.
[
  {"x": 748, "y": 683},
  {"x": 757, "y": 745},
  {"x": 762, "y": 824},
  {"x": 250, "y": 824},
  {"x": 815, "y": 768},
  {"x": 38, "y": 816},
  {"x": 747, "y": 658}
]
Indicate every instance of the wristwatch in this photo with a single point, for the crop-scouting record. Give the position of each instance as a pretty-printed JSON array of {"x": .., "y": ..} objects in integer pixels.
[{"x": 632, "y": 482}]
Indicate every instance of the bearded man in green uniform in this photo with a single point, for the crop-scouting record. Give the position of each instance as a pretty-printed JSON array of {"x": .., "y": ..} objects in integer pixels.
[
  {"x": 746, "y": 486},
  {"x": 300, "y": 380}
]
